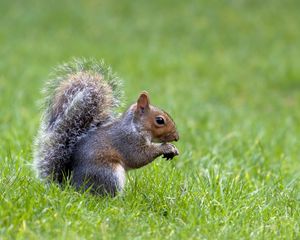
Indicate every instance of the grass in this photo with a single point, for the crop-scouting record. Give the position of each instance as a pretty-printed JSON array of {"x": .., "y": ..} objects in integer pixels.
[{"x": 229, "y": 74}]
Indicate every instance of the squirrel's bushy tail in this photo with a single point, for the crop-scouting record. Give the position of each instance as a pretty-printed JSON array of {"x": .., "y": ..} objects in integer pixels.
[{"x": 81, "y": 95}]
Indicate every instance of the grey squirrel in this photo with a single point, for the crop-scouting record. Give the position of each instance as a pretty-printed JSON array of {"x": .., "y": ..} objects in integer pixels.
[{"x": 83, "y": 139}]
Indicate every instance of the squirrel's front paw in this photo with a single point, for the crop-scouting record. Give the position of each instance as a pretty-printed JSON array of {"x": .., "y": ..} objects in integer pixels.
[{"x": 170, "y": 151}]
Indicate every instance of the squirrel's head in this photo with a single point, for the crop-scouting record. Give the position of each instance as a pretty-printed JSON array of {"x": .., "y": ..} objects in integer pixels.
[{"x": 155, "y": 121}]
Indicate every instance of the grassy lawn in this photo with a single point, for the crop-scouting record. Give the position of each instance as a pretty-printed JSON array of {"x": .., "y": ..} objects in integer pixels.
[{"x": 229, "y": 74}]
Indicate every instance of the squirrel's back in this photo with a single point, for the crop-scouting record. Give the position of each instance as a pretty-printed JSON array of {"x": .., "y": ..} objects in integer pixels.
[{"x": 81, "y": 95}]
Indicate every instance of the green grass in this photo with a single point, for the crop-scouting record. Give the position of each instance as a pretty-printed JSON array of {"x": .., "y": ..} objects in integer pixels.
[{"x": 229, "y": 74}]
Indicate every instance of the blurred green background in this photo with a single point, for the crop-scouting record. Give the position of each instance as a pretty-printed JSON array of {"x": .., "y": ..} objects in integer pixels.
[{"x": 227, "y": 71}]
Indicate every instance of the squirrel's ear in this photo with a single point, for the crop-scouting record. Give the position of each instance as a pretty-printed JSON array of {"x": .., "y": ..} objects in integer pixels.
[{"x": 143, "y": 102}]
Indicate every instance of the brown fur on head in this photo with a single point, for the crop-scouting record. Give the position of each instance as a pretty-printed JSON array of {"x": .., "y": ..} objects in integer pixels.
[{"x": 155, "y": 121}]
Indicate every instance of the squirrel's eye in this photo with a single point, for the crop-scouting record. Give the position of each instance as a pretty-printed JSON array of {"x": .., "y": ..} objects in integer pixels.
[{"x": 160, "y": 120}]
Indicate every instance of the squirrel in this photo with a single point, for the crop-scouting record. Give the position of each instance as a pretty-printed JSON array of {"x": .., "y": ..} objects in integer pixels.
[{"x": 81, "y": 137}]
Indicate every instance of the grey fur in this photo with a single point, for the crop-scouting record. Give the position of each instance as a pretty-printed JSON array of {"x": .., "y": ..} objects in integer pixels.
[
  {"x": 80, "y": 135},
  {"x": 88, "y": 102},
  {"x": 127, "y": 136},
  {"x": 100, "y": 179}
]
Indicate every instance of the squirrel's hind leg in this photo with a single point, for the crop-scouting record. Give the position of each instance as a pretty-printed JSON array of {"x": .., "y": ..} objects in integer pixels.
[{"x": 101, "y": 180}]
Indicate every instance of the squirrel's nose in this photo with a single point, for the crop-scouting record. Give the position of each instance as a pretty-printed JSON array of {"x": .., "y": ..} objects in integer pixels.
[{"x": 176, "y": 136}]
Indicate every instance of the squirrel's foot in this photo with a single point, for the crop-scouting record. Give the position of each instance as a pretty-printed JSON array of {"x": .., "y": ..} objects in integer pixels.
[{"x": 170, "y": 151}]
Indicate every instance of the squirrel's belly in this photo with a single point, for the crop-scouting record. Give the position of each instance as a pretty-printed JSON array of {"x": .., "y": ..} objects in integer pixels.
[{"x": 120, "y": 174}]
